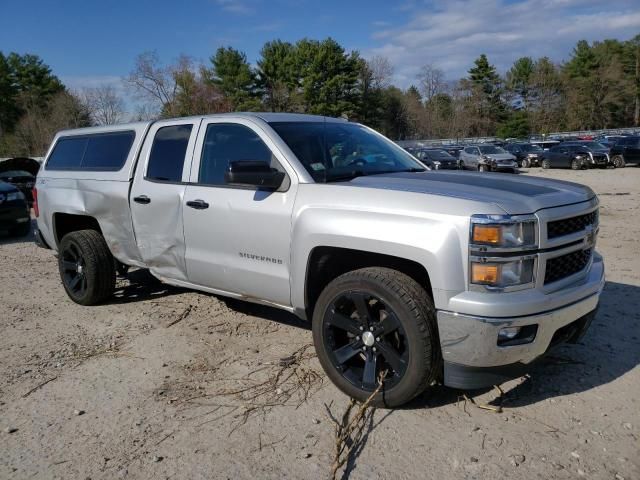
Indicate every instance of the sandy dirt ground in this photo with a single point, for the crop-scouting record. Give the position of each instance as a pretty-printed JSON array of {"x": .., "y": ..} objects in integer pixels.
[{"x": 166, "y": 383}]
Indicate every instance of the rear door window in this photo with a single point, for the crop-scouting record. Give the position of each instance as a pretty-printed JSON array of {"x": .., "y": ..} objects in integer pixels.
[{"x": 168, "y": 151}]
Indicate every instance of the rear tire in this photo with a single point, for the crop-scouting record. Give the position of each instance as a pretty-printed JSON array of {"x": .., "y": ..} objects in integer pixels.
[
  {"x": 86, "y": 266},
  {"x": 461, "y": 165},
  {"x": 618, "y": 161},
  {"x": 375, "y": 319}
]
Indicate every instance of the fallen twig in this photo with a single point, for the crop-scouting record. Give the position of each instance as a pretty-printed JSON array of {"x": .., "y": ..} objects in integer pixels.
[
  {"x": 38, "y": 387},
  {"x": 181, "y": 317},
  {"x": 349, "y": 431}
]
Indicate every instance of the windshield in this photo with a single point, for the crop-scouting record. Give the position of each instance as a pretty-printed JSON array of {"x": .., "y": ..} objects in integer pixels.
[
  {"x": 595, "y": 146},
  {"x": 491, "y": 149},
  {"x": 332, "y": 151},
  {"x": 531, "y": 148},
  {"x": 438, "y": 155}
]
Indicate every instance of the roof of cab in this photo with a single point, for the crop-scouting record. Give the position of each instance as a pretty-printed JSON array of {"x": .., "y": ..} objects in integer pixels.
[{"x": 269, "y": 117}]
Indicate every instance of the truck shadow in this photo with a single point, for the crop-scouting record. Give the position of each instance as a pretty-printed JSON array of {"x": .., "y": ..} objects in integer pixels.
[
  {"x": 141, "y": 286},
  {"x": 607, "y": 352}
]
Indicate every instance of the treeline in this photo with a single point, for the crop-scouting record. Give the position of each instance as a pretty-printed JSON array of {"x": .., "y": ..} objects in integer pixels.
[{"x": 598, "y": 87}]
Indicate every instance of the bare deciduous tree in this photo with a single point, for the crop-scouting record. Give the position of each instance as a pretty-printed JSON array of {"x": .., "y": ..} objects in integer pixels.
[
  {"x": 431, "y": 81},
  {"x": 381, "y": 71},
  {"x": 104, "y": 104}
]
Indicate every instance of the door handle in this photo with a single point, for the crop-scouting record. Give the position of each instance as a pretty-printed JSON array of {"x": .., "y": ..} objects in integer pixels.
[
  {"x": 198, "y": 204},
  {"x": 142, "y": 199}
]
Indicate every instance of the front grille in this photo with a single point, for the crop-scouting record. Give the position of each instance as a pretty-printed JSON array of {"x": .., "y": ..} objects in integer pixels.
[
  {"x": 567, "y": 226},
  {"x": 600, "y": 159},
  {"x": 566, "y": 265}
]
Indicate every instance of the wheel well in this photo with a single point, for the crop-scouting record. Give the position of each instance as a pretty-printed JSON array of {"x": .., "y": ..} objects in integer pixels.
[
  {"x": 64, "y": 223},
  {"x": 327, "y": 263}
]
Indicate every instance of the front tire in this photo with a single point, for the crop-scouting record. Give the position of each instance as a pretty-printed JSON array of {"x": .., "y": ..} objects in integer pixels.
[
  {"x": 86, "y": 267},
  {"x": 576, "y": 164},
  {"x": 618, "y": 161},
  {"x": 525, "y": 163},
  {"x": 546, "y": 164},
  {"x": 483, "y": 168},
  {"x": 373, "y": 320}
]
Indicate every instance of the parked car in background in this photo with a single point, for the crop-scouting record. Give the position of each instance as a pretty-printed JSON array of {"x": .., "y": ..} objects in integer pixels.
[
  {"x": 527, "y": 154},
  {"x": 566, "y": 156},
  {"x": 453, "y": 150},
  {"x": 487, "y": 158},
  {"x": 598, "y": 153},
  {"x": 437, "y": 159},
  {"x": 626, "y": 150},
  {"x": 609, "y": 140},
  {"x": 545, "y": 144},
  {"x": 14, "y": 211},
  {"x": 22, "y": 180}
]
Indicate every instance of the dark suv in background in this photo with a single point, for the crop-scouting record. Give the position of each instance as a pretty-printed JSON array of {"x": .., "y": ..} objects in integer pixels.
[
  {"x": 527, "y": 154},
  {"x": 626, "y": 150}
]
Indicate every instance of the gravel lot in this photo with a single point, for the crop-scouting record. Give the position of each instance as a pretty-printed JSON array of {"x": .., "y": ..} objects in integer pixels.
[{"x": 166, "y": 383}]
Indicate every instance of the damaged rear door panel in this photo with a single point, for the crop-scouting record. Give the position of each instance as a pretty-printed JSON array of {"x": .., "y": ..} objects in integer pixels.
[{"x": 157, "y": 196}]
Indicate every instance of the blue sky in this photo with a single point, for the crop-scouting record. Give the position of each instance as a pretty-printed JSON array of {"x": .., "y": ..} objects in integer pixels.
[{"x": 88, "y": 43}]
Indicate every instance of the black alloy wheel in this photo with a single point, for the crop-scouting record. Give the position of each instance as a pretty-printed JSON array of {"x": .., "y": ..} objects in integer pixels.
[
  {"x": 376, "y": 336},
  {"x": 365, "y": 340},
  {"x": 87, "y": 268},
  {"x": 73, "y": 268}
]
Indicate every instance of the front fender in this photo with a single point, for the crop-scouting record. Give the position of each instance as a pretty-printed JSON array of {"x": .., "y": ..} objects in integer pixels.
[{"x": 435, "y": 241}]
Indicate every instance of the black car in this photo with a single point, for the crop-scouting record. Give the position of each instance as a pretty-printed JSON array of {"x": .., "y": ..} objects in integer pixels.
[
  {"x": 14, "y": 211},
  {"x": 598, "y": 153},
  {"x": 437, "y": 159},
  {"x": 527, "y": 154},
  {"x": 626, "y": 150},
  {"x": 575, "y": 157},
  {"x": 22, "y": 180},
  {"x": 453, "y": 150}
]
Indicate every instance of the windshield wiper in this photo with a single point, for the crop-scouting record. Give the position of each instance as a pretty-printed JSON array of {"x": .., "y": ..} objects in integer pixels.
[{"x": 361, "y": 173}]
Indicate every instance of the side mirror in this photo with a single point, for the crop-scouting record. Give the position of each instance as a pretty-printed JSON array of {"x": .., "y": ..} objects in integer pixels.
[{"x": 253, "y": 174}]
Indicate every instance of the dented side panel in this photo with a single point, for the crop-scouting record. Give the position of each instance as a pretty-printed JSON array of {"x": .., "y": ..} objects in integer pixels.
[{"x": 106, "y": 201}]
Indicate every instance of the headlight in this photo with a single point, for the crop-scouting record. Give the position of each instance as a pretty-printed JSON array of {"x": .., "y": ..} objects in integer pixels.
[
  {"x": 15, "y": 196},
  {"x": 436, "y": 162},
  {"x": 502, "y": 274},
  {"x": 505, "y": 235}
]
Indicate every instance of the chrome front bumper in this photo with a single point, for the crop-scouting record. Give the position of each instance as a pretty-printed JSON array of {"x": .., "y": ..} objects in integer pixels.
[{"x": 470, "y": 342}]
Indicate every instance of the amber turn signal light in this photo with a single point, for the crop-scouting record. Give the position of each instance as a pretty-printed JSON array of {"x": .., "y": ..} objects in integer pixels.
[
  {"x": 487, "y": 234},
  {"x": 485, "y": 274}
]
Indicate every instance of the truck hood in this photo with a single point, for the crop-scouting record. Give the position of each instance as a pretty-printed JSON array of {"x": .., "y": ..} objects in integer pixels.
[{"x": 513, "y": 194}]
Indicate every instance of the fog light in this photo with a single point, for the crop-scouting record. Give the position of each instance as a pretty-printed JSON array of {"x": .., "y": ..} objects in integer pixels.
[
  {"x": 510, "y": 336},
  {"x": 508, "y": 333}
]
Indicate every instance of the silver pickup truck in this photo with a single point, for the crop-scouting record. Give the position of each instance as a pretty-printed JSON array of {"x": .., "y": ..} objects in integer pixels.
[{"x": 408, "y": 276}]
